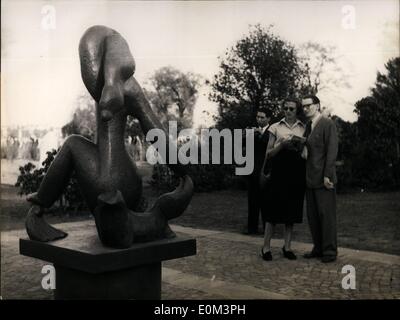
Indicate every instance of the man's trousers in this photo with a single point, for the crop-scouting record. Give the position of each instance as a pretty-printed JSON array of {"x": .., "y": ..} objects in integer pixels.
[
  {"x": 255, "y": 198},
  {"x": 321, "y": 214}
]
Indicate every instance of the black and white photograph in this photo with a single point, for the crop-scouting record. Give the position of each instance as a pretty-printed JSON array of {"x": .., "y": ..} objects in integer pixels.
[{"x": 225, "y": 151}]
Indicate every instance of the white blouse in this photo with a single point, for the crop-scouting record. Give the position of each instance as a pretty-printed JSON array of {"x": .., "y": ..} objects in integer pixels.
[{"x": 282, "y": 130}]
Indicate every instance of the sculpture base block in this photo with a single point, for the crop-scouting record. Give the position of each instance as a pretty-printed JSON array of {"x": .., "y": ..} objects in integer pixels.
[
  {"x": 141, "y": 282},
  {"x": 85, "y": 269}
]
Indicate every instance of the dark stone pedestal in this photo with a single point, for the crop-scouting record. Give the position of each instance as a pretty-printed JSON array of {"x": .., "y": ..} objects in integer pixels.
[{"x": 85, "y": 269}]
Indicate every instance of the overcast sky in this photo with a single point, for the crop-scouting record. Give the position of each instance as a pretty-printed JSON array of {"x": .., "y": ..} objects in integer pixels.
[{"x": 40, "y": 64}]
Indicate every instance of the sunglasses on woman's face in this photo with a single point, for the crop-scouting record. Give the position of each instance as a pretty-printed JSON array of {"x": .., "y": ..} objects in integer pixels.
[{"x": 289, "y": 109}]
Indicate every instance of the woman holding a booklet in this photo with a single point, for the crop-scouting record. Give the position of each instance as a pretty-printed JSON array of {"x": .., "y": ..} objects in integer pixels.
[{"x": 286, "y": 183}]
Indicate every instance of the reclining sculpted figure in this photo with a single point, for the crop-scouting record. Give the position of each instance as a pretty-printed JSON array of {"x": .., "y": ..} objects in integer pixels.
[{"x": 107, "y": 176}]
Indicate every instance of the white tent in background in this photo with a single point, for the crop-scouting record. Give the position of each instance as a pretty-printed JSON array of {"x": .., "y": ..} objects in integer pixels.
[{"x": 51, "y": 140}]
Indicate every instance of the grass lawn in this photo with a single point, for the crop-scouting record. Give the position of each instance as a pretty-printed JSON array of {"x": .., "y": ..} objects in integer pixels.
[
  {"x": 366, "y": 221},
  {"x": 14, "y": 209}
]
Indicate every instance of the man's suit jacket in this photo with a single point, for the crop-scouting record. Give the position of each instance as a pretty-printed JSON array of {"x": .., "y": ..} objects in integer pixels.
[
  {"x": 260, "y": 148},
  {"x": 322, "y": 148}
]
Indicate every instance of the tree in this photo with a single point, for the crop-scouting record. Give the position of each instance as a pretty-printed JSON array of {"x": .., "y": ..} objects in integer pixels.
[
  {"x": 133, "y": 128},
  {"x": 260, "y": 70},
  {"x": 371, "y": 163},
  {"x": 379, "y": 115},
  {"x": 84, "y": 118},
  {"x": 321, "y": 68},
  {"x": 387, "y": 95},
  {"x": 378, "y": 128},
  {"x": 173, "y": 95},
  {"x": 347, "y": 152}
]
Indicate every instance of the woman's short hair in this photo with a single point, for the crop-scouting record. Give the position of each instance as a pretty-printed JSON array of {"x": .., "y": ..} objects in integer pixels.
[
  {"x": 294, "y": 100},
  {"x": 299, "y": 108}
]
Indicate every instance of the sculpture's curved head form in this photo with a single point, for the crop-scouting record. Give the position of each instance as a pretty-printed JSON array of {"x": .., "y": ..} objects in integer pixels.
[{"x": 106, "y": 64}]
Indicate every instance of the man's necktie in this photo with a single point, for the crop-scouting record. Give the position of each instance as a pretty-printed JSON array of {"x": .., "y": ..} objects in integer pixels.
[
  {"x": 307, "y": 132},
  {"x": 308, "y": 129}
]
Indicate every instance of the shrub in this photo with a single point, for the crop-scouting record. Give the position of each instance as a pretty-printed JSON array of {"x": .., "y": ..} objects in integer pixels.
[
  {"x": 30, "y": 179},
  {"x": 206, "y": 177}
]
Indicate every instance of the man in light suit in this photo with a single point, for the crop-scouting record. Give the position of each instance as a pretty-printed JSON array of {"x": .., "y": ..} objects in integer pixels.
[{"x": 320, "y": 152}]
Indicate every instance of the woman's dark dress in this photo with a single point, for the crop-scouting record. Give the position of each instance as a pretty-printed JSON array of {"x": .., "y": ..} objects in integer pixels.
[{"x": 286, "y": 188}]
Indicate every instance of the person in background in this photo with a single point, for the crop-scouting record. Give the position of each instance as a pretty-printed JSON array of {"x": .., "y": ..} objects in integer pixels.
[
  {"x": 286, "y": 186},
  {"x": 254, "y": 192}
]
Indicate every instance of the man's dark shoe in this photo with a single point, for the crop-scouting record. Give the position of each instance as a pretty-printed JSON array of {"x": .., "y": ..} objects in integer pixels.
[
  {"x": 289, "y": 254},
  {"x": 312, "y": 255},
  {"x": 267, "y": 256},
  {"x": 327, "y": 259}
]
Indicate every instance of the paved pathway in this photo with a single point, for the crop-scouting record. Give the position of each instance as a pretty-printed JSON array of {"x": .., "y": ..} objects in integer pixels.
[{"x": 227, "y": 266}]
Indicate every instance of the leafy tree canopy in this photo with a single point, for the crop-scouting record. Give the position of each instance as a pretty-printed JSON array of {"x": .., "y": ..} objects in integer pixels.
[
  {"x": 173, "y": 95},
  {"x": 260, "y": 70}
]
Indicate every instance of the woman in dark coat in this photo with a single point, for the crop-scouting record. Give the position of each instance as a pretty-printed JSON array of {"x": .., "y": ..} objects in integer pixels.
[{"x": 286, "y": 186}]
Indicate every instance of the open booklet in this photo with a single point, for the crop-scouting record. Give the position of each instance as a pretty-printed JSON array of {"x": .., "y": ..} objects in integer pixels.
[
  {"x": 297, "y": 139},
  {"x": 297, "y": 143}
]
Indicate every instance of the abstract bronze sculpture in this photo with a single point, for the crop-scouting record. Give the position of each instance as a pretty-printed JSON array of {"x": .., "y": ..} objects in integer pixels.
[{"x": 106, "y": 175}]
